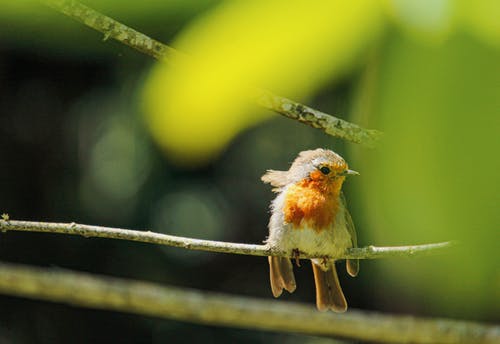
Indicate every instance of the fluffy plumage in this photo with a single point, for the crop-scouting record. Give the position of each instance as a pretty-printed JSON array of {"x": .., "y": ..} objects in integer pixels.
[{"x": 309, "y": 215}]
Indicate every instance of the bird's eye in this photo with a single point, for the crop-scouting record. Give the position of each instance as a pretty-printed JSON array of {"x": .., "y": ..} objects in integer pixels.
[{"x": 325, "y": 170}]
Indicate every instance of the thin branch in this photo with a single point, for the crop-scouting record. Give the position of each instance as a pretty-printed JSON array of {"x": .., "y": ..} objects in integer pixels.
[
  {"x": 369, "y": 252},
  {"x": 113, "y": 29},
  {"x": 86, "y": 290},
  {"x": 329, "y": 124}
]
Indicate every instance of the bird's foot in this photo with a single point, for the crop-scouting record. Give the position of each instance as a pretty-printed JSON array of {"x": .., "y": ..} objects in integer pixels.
[
  {"x": 296, "y": 255},
  {"x": 324, "y": 262}
]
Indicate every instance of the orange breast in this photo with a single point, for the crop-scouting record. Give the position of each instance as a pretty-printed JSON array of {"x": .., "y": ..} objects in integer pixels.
[{"x": 312, "y": 204}]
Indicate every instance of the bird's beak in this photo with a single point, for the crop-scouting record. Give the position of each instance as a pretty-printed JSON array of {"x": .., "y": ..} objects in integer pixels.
[{"x": 351, "y": 173}]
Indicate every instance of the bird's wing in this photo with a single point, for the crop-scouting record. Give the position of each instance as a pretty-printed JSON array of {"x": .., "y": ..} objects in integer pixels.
[
  {"x": 278, "y": 179},
  {"x": 352, "y": 265},
  {"x": 348, "y": 221}
]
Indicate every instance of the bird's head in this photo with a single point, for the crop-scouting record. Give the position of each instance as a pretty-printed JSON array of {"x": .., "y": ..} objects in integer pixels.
[{"x": 322, "y": 166}]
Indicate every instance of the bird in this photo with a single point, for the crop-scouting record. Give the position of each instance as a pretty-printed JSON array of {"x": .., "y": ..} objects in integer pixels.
[{"x": 309, "y": 215}]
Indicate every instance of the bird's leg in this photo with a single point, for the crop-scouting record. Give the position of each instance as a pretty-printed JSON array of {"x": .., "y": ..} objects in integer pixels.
[{"x": 296, "y": 255}]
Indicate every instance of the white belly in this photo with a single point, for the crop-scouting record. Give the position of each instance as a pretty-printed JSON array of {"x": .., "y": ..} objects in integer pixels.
[{"x": 329, "y": 242}]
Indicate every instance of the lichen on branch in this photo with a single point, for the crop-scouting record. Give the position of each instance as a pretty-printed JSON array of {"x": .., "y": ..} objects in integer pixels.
[
  {"x": 369, "y": 252},
  {"x": 113, "y": 29}
]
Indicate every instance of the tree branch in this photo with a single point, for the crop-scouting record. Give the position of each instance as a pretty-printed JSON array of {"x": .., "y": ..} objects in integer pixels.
[
  {"x": 329, "y": 124},
  {"x": 369, "y": 252},
  {"x": 113, "y": 29},
  {"x": 86, "y": 290}
]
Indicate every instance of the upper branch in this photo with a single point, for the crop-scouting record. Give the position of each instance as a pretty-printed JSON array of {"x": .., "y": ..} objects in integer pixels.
[
  {"x": 113, "y": 29},
  {"x": 369, "y": 252},
  {"x": 329, "y": 124}
]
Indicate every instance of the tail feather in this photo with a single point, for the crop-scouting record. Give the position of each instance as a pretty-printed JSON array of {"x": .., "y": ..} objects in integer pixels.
[
  {"x": 329, "y": 294},
  {"x": 281, "y": 275},
  {"x": 352, "y": 266}
]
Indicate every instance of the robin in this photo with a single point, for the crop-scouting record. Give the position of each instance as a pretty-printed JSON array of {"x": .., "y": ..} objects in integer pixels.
[{"x": 309, "y": 215}]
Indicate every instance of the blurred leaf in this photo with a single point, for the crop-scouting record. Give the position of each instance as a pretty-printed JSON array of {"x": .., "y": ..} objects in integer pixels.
[
  {"x": 431, "y": 20},
  {"x": 436, "y": 20},
  {"x": 482, "y": 18},
  {"x": 435, "y": 175},
  {"x": 195, "y": 109}
]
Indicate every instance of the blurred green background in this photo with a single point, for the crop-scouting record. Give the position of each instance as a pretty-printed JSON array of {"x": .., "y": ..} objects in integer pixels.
[{"x": 96, "y": 133}]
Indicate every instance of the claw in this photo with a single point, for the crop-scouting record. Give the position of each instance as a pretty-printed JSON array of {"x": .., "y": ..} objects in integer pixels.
[
  {"x": 296, "y": 255},
  {"x": 324, "y": 262}
]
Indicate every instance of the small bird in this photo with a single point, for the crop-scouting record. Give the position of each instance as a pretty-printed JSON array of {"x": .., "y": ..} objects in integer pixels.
[{"x": 309, "y": 215}]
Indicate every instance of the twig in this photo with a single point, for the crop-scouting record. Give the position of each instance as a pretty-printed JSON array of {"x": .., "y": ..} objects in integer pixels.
[
  {"x": 369, "y": 252},
  {"x": 113, "y": 29},
  {"x": 86, "y": 290},
  {"x": 329, "y": 124}
]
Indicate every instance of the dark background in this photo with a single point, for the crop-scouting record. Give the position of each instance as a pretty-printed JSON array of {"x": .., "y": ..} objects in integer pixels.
[{"x": 74, "y": 147}]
